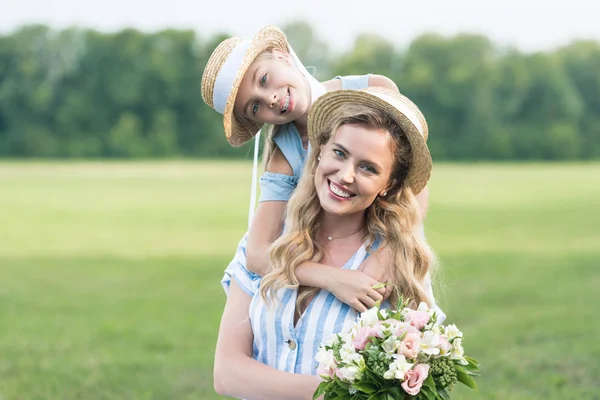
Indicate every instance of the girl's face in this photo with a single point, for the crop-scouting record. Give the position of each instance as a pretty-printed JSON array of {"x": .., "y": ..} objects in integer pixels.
[
  {"x": 355, "y": 167},
  {"x": 273, "y": 91}
]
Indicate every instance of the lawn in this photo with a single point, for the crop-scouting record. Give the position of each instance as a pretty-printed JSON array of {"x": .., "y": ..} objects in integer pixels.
[{"x": 109, "y": 275}]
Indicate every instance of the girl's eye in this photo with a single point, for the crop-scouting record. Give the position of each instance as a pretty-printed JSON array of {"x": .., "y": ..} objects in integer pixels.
[
  {"x": 338, "y": 153},
  {"x": 263, "y": 80},
  {"x": 254, "y": 108},
  {"x": 369, "y": 169}
]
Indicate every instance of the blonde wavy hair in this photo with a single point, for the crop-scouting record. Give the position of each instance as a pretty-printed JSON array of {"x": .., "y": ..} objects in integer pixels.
[{"x": 394, "y": 219}]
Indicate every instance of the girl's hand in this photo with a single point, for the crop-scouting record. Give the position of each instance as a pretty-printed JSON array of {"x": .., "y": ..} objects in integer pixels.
[
  {"x": 354, "y": 288},
  {"x": 378, "y": 267}
]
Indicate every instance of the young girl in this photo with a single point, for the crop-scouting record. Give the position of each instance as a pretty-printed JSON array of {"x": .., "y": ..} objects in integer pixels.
[
  {"x": 369, "y": 156},
  {"x": 259, "y": 82}
]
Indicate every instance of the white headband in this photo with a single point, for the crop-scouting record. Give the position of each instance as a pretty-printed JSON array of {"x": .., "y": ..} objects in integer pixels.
[{"x": 227, "y": 74}]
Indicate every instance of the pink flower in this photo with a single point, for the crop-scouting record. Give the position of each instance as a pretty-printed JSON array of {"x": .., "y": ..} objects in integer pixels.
[
  {"x": 362, "y": 337},
  {"x": 414, "y": 378},
  {"x": 410, "y": 346},
  {"x": 406, "y": 328},
  {"x": 418, "y": 319},
  {"x": 324, "y": 371},
  {"x": 444, "y": 345}
]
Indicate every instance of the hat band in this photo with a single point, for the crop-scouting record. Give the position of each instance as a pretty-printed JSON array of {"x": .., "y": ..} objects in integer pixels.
[
  {"x": 404, "y": 109},
  {"x": 316, "y": 88},
  {"x": 227, "y": 75}
]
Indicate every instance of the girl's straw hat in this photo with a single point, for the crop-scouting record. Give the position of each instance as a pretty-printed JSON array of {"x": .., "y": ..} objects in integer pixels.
[
  {"x": 397, "y": 106},
  {"x": 224, "y": 72}
]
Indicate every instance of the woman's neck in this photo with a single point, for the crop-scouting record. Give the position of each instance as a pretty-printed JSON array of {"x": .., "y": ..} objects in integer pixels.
[{"x": 341, "y": 226}]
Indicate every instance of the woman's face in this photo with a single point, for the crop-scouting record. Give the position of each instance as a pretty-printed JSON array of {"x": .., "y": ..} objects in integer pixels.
[
  {"x": 355, "y": 167},
  {"x": 273, "y": 90}
]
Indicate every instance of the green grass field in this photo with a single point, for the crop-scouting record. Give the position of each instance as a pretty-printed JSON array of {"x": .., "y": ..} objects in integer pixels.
[{"x": 109, "y": 276}]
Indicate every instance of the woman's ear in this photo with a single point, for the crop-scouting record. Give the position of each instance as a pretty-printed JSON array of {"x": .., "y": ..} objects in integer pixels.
[{"x": 389, "y": 187}]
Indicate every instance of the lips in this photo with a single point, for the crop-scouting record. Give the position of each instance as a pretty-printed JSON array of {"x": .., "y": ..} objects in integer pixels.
[
  {"x": 339, "y": 190},
  {"x": 285, "y": 103}
]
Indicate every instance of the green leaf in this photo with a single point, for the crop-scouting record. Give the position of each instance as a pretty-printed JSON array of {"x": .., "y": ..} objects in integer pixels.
[
  {"x": 427, "y": 392},
  {"x": 397, "y": 392},
  {"x": 321, "y": 389},
  {"x": 471, "y": 369},
  {"x": 472, "y": 361},
  {"x": 460, "y": 369},
  {"x": 429, "y": 383},
  {"x": 467, "y": 380},
  {"x": 365, "y": 387},
  {"x": 443, "y": 394}
]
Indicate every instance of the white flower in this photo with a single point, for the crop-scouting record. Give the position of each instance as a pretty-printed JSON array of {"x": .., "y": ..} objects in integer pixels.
[
  {"x": 452, "y": 332},
  {"x": 458, "y": 352},
  {"x": 390, "y": 344},
  {"x": 349, "y": 373},
  {"x": 325, "y": 358},
  {"x": 430, "y": 343},
  {"x": 398, "y": 368},
  {"x": 347, "y": 337},
  {"x": 369, "y": 317},
  {"x": 349, "y": 355},
  {"x": 331, "y": 340},
  {"x": 436, "y": 329},
  {"x": 424, "y": 307}
]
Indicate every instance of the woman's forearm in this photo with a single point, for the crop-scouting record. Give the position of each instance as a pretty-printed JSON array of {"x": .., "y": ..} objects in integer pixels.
[{"x": 246, "y": 378}]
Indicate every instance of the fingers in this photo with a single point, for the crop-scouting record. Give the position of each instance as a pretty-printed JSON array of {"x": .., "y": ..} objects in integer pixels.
[
  {"x": 388, "y": 292},
  {"x": 382, "y": 290},
  {"x": 358, "y": 306},
  {"x": 375, "y": 295}
]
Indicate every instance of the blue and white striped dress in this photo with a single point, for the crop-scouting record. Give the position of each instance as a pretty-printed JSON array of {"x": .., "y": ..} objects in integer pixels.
[{"x": 277, "y": 343}]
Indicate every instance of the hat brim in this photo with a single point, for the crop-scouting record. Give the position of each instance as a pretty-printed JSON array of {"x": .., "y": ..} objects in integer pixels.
[
  {"x": 325, "y": 108},
  {"x": 239, "y": 132}
]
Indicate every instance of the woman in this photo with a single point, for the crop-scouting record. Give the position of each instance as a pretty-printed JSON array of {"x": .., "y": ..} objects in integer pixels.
[{"x": 369, "y": 157}]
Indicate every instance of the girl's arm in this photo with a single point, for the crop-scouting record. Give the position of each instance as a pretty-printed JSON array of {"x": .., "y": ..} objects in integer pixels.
[
  {"x": 268, "y": 221},
  {"x": 382, "y": 81},
  {"x": 237, "y": 374}
]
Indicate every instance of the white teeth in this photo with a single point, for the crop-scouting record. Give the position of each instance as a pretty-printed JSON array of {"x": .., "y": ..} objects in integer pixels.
[
  {"x": 286, "y": 103},
  {"x": 337, "y": 191}
]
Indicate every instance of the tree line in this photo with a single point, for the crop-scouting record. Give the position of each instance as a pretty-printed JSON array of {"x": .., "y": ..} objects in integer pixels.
[{"x": 80, "y": 93}]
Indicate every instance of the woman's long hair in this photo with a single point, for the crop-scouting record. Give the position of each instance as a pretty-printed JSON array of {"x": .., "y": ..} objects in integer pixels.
[{"x": 394, "y": 219}]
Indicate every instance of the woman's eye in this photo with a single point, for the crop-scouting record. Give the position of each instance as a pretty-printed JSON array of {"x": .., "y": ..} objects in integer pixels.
[
  {"x": 338, "y": 153},
  {"x": 369, "y": 169}
]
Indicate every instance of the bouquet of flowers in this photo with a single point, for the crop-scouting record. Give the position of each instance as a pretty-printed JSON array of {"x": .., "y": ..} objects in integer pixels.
[{"x": 389, "y": 355}]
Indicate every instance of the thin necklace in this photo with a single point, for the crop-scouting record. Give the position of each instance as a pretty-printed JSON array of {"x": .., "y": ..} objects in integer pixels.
[{"x": 330, "y": 238}]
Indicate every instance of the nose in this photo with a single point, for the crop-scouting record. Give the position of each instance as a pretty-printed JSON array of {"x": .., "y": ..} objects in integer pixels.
[
  {"x": 346, "y": 173},
  {"x": 271, "y": 99}
]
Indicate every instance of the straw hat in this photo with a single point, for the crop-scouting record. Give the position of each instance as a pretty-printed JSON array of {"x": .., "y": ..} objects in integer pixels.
[
  {"x": 224, "y": 72},
  {"x": 399, "y": 107}
]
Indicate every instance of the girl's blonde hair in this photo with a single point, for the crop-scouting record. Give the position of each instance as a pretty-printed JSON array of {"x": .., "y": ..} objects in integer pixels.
[{"x": 394, "y": 219}]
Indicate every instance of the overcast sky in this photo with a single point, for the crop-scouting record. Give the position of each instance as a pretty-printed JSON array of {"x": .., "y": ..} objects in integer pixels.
[{"x": 528, "y": 24}]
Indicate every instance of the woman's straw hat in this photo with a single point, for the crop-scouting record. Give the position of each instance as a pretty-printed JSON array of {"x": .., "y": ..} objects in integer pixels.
[
  {"x": 224, "y": 72},
  {"x": 397, "y": 106}
]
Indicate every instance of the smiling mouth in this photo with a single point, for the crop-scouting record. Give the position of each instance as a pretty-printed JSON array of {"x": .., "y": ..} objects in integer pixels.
[
  {"x": 286, "y": 102},
  {"x": 339, "y": 191}
]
